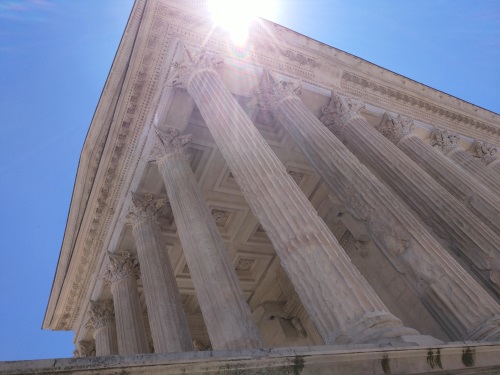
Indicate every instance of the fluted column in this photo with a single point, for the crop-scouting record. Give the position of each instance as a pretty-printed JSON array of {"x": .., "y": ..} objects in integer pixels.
[
  {"x": 479, "y": 200},
  {"x": 102, "y": 322},
  {"x": 168, "y": 322},
  {"x": 447, "y": 142},
  {"x": 226, "y": 314},
  {"x": 466, "y": 235},
  {"x": 443, "y": 285},
  {"x": 130, "y": 331},
  {"x": 339, "y": 300},
  {"x": 486, "y": 154}
]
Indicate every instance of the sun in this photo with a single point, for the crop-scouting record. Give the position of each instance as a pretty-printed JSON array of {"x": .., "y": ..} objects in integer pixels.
[{"x": 235, "y": 16}]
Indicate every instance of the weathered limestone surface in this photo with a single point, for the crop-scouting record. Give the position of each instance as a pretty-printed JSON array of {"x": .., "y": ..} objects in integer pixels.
[
  {"x": 473, "y": 195},
  {"x": 446, "y": 142},
  {"x": 85, "y": 348},
  {"x": 102, "y": 322},
  {"x": 469, "y": 237},
  {"x": 122, "y": 274},
  {"x": 488, "y": 155},
  {"x": 495, "y": 167},
  {"x": 168, "y": 322},
  {"x": 450, "y": 293},
  {"x": 484, "y": 152},
  {"x": 310, "y": 254},
  {"x": 225, "y": 311},
  {"x": 455, "y": 358}
]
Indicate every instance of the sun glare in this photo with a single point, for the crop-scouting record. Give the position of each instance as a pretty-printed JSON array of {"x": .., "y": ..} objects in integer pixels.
[{"x": 235, "y": 16}]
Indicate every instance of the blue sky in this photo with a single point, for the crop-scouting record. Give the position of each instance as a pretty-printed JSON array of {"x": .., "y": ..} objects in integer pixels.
[{"x": 54, "y": 59}]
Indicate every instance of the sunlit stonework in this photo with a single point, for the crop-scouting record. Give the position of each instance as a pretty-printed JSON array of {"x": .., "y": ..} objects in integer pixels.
[{"x": 289, "y": 198}]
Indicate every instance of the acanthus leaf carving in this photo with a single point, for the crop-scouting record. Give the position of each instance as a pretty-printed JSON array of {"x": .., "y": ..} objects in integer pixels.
[
  {"x": 122, "y": 266},
  {"x": 444, "y": 140},
  {"x": 101, "y": 314},
  {"x": 340, "y": 110},
  {"x": 483, "y": 151},
  {"x": 85, "y": 349},
  {"x": 192, "y": 61},
  {"x": 146, "y": 207},
  {"x": 272, "y": 91},
  {"x": 395, "y": 128},
  {"x": 169, "y": 142}
]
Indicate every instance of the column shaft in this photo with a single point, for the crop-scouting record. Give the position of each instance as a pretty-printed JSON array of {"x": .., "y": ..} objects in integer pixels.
[
  {"x": 168, "y": 322},
  {"x": 495, "y": 166},
  {"x": 476, "y": 169},
  {"x": 105, "y": 341},
  {"x": 102, "y": 322},
  {"x": 452, "y": 295},
  {"x": 468, "y": 237},
  {"x": 225, "y": 312},
  {"x": 339, "y": 300},
  {"x": 130, "y": 329},
  {"x": 483, "y": 203}
]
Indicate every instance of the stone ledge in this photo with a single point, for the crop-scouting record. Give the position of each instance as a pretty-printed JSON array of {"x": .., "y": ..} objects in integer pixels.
[{"x": 452, "y": 358}]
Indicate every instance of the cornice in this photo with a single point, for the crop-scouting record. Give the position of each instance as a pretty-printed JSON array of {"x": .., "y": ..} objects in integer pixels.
[
  {"x": 115, "y": 141},
  {"x": 420, "y": 107},
  {"x": 151, "y": 58},
  {"x": 89, "y": 161}
]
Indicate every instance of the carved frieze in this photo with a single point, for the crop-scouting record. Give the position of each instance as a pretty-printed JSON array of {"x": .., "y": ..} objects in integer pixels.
[
  {"x": 129, "y": 122},
  {"x": 413, "y": 101},
  {"x": 300, "y": 58}
]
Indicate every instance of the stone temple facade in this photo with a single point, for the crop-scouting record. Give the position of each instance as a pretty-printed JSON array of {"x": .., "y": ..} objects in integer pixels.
[{"x": 284, "y": 195}]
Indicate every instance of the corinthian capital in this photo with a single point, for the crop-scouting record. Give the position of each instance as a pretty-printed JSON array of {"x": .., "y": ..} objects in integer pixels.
[
  {"x": 170, "y": 142},
  {"x": 395, "y": 128},
  {"x": 85, "y": 349},
  {"x": 192, "y": 61},
  {"x": 271, "y": 91},
  {"x": 145, "y": 207},
  {"x": 483, "y": 151},
  {"x": 443, "y": 140},
  {"x": 122, "y": 266},
  {"x": 101, "y": 314},
  {"x": 339, "y": 111}
]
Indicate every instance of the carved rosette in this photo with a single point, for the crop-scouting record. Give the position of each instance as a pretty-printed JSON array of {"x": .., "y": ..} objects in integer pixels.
[
  {"x": 443, "y": 140},
  {"x": 271, "y": 91},
  {"x": 170, "y": 142},
  {"x": 483, "y": 151},
  {"x": 193, "y": 61},
  {"x": 146, "y": 207},
  {"x": 395, "y": 128},
  {"x": 122, "y": 266},
  {"x": 101, "y": 314},
  {"x": 340, "y": 110}
]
